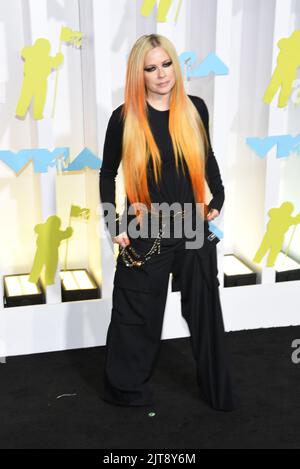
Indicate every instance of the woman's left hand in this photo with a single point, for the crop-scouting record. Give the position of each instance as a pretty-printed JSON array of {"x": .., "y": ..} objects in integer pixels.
[{"x": 212, "y": 214}]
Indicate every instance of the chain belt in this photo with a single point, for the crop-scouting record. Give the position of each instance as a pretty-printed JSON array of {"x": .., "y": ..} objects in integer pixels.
[{"x": 132, "y": 258}]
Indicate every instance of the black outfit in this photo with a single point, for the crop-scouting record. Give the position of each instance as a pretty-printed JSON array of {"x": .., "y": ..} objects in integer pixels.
[{"x": 139, "y": 295}]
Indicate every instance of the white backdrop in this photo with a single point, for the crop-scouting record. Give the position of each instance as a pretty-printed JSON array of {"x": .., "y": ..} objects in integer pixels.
[{"x": 244, "y": 35}]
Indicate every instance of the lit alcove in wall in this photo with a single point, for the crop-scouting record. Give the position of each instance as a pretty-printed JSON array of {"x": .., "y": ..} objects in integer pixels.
[
  {"x": 287, "y": 264},
  {"x": 21, "y": 212}
]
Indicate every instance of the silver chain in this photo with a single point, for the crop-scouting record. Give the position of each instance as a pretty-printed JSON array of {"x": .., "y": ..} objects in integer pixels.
[{"x": 141, "y": 259}]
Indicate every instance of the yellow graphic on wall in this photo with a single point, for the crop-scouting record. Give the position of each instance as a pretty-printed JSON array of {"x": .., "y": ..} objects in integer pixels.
[
  {"x": 285, "y": 73},
  {"x": 162, "y": 11},
  {"x": 80, "y": 213},
  {"x": 70, "y": 37},
  {"x": 37, "y": 68},
  {"x": 280, "y": 221},
  {"x": 49, "y": 237}
]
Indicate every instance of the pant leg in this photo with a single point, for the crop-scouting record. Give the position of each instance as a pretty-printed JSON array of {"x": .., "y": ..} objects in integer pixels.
[
  {"x": 201, "y": 308},
  {"x": 134, "y": 334}
]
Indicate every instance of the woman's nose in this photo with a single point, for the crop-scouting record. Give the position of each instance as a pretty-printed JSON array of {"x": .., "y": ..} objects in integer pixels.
[{"x": 161, "y": 72}]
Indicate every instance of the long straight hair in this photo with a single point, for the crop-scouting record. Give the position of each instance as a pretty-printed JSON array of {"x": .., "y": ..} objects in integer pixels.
[{"x": 186, "y": 128}]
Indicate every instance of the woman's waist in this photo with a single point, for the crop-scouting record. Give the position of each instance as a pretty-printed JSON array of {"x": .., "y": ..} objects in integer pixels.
[
  {"x": 163, "y": 210},
  {"x": 164, "y": 216}
]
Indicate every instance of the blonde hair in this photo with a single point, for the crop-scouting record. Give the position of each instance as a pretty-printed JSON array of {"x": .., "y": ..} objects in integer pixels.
[{"x": 186, "y": 128}]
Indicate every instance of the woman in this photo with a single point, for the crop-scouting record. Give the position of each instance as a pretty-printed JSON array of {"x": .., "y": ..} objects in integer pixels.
[{"x": 162, "y": 137}]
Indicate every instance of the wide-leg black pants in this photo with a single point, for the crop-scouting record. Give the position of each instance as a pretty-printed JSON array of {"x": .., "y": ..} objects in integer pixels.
[{"x": 134, "y": 333}]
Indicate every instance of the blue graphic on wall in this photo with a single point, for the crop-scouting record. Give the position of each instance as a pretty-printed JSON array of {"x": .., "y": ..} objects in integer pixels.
[
  {"x": 85, "y": 159},
  {"x": 286, "y": 144},
  {"x": 42, "y": 159}
]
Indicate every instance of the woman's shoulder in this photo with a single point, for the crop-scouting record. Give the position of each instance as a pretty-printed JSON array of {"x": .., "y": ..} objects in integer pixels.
[
  {"x": 118, "y": 109},
  {"x": 195, "y": 98},
  {"x": 116, "y": 119},
  {"x": 198, "y": 102},
  {"x": 201, "y": 106}
]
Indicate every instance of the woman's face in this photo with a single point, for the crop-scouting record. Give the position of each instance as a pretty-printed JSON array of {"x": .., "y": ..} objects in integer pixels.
[{"x": 158, "y": 71}]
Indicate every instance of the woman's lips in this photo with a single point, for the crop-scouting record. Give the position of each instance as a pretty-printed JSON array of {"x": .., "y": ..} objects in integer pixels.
[{"x": 163, "y": 84}]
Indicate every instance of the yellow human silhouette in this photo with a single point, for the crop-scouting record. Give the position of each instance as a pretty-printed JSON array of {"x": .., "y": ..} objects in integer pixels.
[
  {"x": 48, "y": 241},
  {"x": 288, "y": 60},
  {"x": 37, "y": 68},
  {"x": 162, "y": 11},
  {"x": 279, "y": 223}
]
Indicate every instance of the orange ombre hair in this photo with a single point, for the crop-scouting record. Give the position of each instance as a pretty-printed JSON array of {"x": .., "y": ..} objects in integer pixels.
[{"x": 186, "y": 128}]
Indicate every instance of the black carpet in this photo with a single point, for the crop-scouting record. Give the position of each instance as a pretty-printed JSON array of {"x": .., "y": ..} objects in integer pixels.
[{"x": 267, "y": 382}]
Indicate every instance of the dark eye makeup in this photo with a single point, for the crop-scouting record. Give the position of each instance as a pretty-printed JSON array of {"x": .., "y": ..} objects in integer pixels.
[{"x": 166, "y": 64}]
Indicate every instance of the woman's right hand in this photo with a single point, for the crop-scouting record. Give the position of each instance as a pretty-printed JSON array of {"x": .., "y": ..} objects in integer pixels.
[{"x": 122, "y": 239}]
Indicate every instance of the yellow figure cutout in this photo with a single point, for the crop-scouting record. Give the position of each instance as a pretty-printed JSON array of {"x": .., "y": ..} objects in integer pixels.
[
  {"x": 162, "y": 11},
  {"x": 48, "y": 241},
  {"x": 279, "y": 223},
  {"x": 71, "y": 37},
  {"x": 37, "y": 68},
  {"x": 76, "y": 212},
  {"x": 285, "y": 73}
]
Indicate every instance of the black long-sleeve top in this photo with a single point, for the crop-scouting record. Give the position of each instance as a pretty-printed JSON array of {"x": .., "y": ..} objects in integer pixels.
[{"x": 171, "y": 188}]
